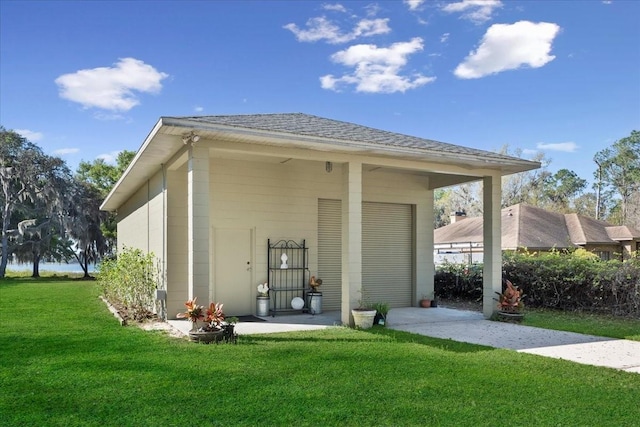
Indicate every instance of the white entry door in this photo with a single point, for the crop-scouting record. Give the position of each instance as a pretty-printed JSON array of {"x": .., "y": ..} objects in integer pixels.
[{"x": 233, "y": 271}]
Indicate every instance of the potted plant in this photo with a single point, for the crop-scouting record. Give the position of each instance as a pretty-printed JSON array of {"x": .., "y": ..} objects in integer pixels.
[
  {"x": 363, "y": 315},
  {"x": 229, "y": 334},
  {"x": 425, "y": 302},
  {"x": 382, "y": 309},
  {"x": 262, "y": 300},
  {"x": 510, "y": 303},
  {"x": 315, "y": 296},
  {"x": 214, "y": 317}
]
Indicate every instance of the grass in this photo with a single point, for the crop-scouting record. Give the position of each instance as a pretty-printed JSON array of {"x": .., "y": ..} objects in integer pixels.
[
  {"x": 584, "y": 323},
  {"x": 66, "y": 361}
]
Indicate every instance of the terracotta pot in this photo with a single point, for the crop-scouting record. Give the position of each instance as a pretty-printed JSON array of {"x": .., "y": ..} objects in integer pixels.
[{"x": 425, "y": 303}]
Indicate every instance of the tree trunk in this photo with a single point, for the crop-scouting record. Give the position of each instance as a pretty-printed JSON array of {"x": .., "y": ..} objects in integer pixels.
[
  {"x": 83, "y": 262},
  {"x": 85, "y": 266},
  {"x": 5, "y": 240},
  {"x": 36, "y": 265}
]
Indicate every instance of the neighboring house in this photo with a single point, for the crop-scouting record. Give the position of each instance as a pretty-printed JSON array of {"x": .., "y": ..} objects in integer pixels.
[
  {"x": 536, "y": 229},
  {"x": 206, "y": 194}
]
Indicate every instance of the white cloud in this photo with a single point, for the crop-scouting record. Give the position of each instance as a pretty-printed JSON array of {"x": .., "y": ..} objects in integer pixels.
[
  {"x": 111, "y": 88},
  {"x": 509, "y": 47},
  {"x": 65, "y": 151},
  {"x": 198, "y": 109},
  {"x": 101, "y": 115},
  {"x": 413, "y": 4},
  {"x": 321, "y": 28},
  {"x": 568, "y": 147},
  {"x": 29, "y": 134},
  {"x": 377, "y": 70},
  {"x": 444, "y": 38},
  {"x": 372, "y": 9},
  {"x": 334, "y": 7},
  {"x": 109, "y": 157},
  {"x": 477, "y": 11},
  {"x": 529, "y": 152}
]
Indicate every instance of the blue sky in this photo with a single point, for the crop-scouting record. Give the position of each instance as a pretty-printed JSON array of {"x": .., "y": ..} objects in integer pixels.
[{"x": 87, "y": 79}]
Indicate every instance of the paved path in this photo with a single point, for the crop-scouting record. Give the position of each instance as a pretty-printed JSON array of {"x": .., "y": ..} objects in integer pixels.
[{"x": 471, "y": 327}]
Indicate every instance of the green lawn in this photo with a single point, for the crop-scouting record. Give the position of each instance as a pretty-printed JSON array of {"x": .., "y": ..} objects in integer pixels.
[
  {"x": 585, "y": 323},
  {"x": 66, "y": 361}
]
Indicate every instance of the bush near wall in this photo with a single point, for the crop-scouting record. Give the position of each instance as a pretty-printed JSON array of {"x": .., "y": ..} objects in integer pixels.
[
  {"x": 130, "y": 280},
  {"x": 459, "y": 281},
  {"x": 577, "y": 280}
]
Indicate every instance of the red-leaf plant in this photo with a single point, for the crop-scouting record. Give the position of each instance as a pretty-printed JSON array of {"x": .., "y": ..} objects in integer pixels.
[
  {"x": 510, "y": 300},
  {"x": 214, "y": 315}
]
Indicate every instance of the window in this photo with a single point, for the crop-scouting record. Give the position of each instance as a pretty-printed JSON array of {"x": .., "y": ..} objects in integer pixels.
[{"x": 604, "y": 255}]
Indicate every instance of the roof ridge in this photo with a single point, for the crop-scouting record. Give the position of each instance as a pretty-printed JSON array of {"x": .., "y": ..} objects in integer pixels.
[{"x": 575, "y": 217}]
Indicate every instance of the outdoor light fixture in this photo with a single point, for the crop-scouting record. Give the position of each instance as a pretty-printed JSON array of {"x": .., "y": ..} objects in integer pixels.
[
  {"x": 190, "y": 138},
  {"x": 328, "y": 166}
]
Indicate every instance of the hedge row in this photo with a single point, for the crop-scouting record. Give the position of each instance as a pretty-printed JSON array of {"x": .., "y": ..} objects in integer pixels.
[
  {"x": 130, "y": 280},
  {"x": 569, "y": 281}
]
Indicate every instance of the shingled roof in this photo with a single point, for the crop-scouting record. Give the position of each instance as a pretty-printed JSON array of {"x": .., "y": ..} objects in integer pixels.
[
  {"x": 535, "y": 228},
  {"x": 313, "y": 126},
  {"x": 308, "y": 132}
]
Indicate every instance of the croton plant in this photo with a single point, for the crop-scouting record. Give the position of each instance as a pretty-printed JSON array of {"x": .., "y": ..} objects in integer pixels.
[
  {"x": 510, "y": 300},
  {"x": 214, "y": 316}
]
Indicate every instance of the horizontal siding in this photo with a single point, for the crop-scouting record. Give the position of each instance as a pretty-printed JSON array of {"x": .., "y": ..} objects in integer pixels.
[
  {"x": 133, "y": 226},
  {"x": 278, "y": 201}
]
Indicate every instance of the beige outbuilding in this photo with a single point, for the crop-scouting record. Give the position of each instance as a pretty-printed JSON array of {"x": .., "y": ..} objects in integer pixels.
[{"x": 207, "y": 194}]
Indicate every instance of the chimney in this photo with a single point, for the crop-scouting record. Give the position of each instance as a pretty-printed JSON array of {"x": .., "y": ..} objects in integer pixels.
[{"x": 459, "y": 215}]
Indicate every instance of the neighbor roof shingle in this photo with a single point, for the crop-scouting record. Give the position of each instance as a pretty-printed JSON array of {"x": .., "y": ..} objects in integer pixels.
[{"x": 536, "y": 228}]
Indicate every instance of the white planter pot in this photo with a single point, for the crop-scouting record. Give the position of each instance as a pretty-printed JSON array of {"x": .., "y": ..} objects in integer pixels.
[
  {"x": 262, "y": 306},
  {"x": 363, "y": 319},
  {"x": 315, "y": 302}
]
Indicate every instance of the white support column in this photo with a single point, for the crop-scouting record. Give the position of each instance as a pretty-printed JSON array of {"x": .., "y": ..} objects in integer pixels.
[
  {"x": 351, "y": 238},
  {"x": 198, "y": 223},
  {"x": 492, "y": 229},
  {"x": 425, "y": 268}
]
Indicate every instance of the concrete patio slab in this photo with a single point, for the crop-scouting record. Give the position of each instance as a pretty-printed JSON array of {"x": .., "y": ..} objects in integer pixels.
[{"x": 281, "y": 323}]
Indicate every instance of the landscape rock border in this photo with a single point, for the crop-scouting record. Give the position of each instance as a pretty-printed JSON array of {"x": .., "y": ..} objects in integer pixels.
[{"x": 149, "y": 325}]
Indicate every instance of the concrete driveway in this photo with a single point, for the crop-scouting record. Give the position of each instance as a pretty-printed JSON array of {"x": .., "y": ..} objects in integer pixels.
[{"x": 471, "y": 327}]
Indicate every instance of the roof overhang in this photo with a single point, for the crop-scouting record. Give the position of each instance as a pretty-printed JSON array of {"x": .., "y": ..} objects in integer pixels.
[{"x": 165, "y": 141}]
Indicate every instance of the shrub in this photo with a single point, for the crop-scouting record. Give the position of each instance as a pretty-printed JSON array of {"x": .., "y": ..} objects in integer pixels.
[
  {"x": 458, "y": 281},
  {"x": 576, "y": 280},
  {"x": 130, "y": 280}
]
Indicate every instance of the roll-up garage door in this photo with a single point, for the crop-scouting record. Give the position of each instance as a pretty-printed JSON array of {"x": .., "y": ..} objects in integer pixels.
[
  {"x": 330, "y": 252},
  {"x": 387, "y": 252}
]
